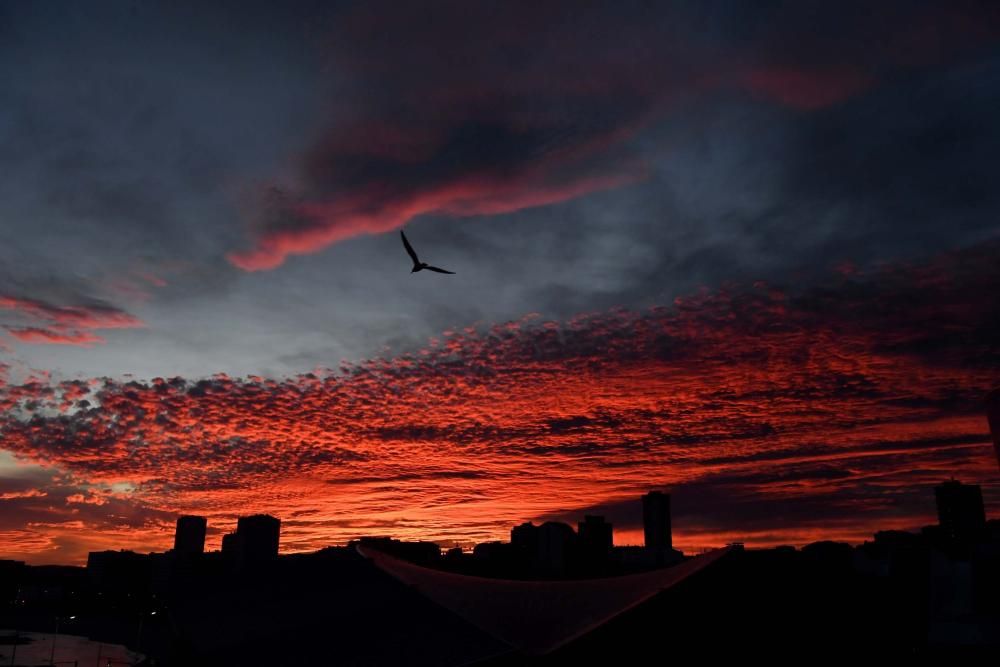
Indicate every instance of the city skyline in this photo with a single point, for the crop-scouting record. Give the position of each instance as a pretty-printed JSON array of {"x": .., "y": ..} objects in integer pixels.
[
  {"x": 549, "y": 591},
  {"x": 745, "y": 254},
  {"x": 962, "y": 520}
]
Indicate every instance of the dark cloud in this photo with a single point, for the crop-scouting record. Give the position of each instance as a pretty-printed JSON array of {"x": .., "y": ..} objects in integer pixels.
[
  {"x": 614, "y": 154},
  {"x": 471, "y": 110}
]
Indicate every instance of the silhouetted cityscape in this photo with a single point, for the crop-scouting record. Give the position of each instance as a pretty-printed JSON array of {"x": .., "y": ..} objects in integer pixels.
[{"x": 943, "y": 582}]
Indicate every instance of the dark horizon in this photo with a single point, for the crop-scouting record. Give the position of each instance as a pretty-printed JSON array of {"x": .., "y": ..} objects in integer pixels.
[
  {"x": 959, "y": 507},
  {"x": 552, "y": 595}
]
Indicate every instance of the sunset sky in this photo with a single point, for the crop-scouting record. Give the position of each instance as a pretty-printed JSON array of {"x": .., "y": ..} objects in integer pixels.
[{"x": 745, "y": 252}]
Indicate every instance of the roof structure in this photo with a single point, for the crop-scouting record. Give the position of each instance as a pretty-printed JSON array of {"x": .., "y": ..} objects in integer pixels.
[{"x": 537, "y": 617}]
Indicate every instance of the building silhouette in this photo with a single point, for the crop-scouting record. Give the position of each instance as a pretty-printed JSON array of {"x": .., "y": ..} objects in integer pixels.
[
  {"x": 656, "y": 520},
  {"x": 961, "y": 514},
  {"x": 556, "y": 546},
  {"x": 259, "y": 535},
  {"x": 493, "y": 553},
  {"x": 255, "y": 540},
  {"x": 525, "y": 536},
  {"x": 596, "y": 536},
  {"x": 416, "y": 552},
  {"x": 118, "y": 572},
  {"x": 231, "y": 545},
  {"x": 189, "y": 536},
  {"x": 901, "y": 593}
]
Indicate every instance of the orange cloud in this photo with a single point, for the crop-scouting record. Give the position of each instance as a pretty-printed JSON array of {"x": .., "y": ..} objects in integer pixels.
[
  {"x": 79, "y": 498},
  {"x": 774, "y": 415},
  {"x": 320, "y": 224},
  {"x": 29, "y": 493},
  {"x": 65, "y": 325},
  {"x": 52, "y": 337}
]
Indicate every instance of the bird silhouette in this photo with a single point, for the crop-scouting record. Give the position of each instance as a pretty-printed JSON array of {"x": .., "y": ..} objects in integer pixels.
[{"x": 417, "y": 264}]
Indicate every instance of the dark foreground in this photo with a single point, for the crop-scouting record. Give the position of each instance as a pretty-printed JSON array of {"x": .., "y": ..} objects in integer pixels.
[{"x": 334, "y": 607}]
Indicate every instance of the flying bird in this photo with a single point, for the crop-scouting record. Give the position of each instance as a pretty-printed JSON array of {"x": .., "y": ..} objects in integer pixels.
[{"x": 417, "y": 264}]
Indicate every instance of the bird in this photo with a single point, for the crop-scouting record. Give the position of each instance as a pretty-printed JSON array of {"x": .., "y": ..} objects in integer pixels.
[{"x": 417, "y": 264}]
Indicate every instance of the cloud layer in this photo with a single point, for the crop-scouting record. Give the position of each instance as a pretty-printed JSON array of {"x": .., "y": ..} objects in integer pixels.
[
  {"x": 774, "y": 414},
  {"x": 65, "y": 325},
  {"x": 562, "y": 159},
  {"x": 481, "y": 109}
]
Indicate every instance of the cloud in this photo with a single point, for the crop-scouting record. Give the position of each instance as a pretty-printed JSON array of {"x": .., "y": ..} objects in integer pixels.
[
  {"x": 49, "y": 516},
  {"x": 805, "y": 89},
  {"x": 53, "y": 337},
  {"x": 94, "y": 316},
  {"x": 317, "y": 225},
  {"x": 65, "y": 325},
  {"x": 772, "y": 410},
  {"x": 488, "y": 109},
  {"x": 79, "y": 498},
  {"x": 29, "y": 493}
]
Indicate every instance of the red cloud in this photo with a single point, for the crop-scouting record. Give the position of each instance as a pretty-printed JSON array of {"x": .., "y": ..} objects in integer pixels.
[
  {"x": 775, "y": 415},
  {"x": 52, "y": 337},
  {"x": 65, "y": 325},
  {"x": 79, "y": 498},
  {"x": 325, "y": 223},
  {"x": 29, "y": 493},
  {"x": 807, "y": 89},
  {"x": 84, "y": 317}
]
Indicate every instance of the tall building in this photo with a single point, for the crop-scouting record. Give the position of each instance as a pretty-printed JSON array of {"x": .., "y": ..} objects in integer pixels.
[
  {"x": 257, "y": 537},
  {"x": 556, "y": 544},
  {"x": 656, "y": 520},
  {"x": 596, "y": 536},
  {"x": 525, "y": 537},
  {"x": 231, "y": 545},
  {"x": 189, "y": 537},
  {"x": 960, "y": 511},
  {"x": 524, "y": 544}
]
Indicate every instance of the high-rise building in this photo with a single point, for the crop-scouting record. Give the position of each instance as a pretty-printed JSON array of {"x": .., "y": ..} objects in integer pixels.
[
  {"x": 524, "y": 544},
  {"x": 656, "y": 520},
  {"x": 596, "y": 536},
  {"x": 556, "y": 544},
  {"x": 525, "y": 537},
  {"x": 960, "y": 511},
  {"x": 189, "y": 537},
  {"x": 257, "y": 537},
  {"x": 231, "y": 545}
]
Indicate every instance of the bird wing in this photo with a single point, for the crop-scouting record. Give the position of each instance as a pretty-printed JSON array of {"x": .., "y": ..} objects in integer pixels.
[
  {"x": 409, "y": 248},
  {"x": 434, "y": 268}
]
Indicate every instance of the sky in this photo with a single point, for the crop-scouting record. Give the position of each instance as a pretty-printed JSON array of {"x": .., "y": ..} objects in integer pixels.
[{"x": 743, "y": 252}]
